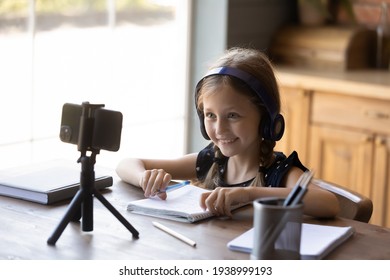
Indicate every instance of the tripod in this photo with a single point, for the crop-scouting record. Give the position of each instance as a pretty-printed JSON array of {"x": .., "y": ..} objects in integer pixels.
[
  {"x": 83, "y": 201},
  {"x": 81, "y": 207}
]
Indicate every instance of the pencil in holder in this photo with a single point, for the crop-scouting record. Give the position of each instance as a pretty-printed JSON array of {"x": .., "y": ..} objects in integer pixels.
[{"x": 277, "y": 230}]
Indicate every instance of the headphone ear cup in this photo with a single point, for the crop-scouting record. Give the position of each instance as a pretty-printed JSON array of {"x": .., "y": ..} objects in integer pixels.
[
  {"x": 272, "y": 130},
  {"x": 277, "y": 130},
  {"x": 199, "y": 112},
  {"x": 202, "y": 126},
  {"x": 265, "y": 127}
]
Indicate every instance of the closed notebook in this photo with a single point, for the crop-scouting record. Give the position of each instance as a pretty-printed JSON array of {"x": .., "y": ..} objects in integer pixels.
[
  {"x": 317, "y": 241},
  {"x": 46, "y": 182},
  {"x": 181, "y": 205}
]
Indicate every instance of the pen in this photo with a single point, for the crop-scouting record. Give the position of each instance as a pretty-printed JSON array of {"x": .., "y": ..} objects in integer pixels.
[
  {"x": 175, "y": 186},
  {"x": 299, "y": 190},
  {"x": 175, "y": 234}
]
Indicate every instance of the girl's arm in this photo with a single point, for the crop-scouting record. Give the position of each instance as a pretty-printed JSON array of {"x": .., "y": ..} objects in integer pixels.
[
  {"x": 155, "y": 174},
  {"x": 317, "y": 202}
]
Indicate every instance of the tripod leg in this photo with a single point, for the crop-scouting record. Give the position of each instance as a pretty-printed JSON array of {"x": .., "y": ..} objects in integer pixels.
[
  {"x": 87, "y": 182},
  {"x": 73, "y": 209},
  {"x": 87, "y": 212},
  {"x": 115, "y": 212}
]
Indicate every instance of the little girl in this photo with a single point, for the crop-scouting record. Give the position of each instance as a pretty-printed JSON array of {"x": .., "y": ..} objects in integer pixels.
[{"x": 238, "y": 105}]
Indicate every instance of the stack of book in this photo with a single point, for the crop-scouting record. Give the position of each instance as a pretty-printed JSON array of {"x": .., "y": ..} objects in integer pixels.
[{"x": 46, "y": 182}]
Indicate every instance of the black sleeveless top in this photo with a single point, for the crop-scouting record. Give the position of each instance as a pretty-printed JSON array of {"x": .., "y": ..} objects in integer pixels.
[{"x": 274, "y": 174}]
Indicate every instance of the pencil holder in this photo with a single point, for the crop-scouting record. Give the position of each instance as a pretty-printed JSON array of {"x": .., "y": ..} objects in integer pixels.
[{"x": 277, "y": 230}]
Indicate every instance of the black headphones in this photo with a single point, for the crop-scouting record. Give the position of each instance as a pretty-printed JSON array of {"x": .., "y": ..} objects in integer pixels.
[{"x": 272, "y": 125}]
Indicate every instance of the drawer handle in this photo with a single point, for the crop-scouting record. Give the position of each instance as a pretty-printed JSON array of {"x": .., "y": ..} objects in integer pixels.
[{"x": 376, "y": 115}]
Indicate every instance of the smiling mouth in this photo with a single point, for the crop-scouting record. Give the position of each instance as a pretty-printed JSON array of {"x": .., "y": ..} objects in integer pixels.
[{"x": 226, "y": 141}]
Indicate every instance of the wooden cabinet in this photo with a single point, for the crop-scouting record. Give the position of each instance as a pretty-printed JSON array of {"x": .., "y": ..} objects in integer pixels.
[
  {"x": 295, "y": 109},
  {"x": 348, "y": 142},
  {"x": 347, "y": 137},
  {"x": 380, "y": 194},
  {"x": 342, "y": 156}
]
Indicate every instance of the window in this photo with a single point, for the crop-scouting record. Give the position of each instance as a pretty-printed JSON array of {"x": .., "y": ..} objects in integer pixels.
[{"x": 126, "y": 54}]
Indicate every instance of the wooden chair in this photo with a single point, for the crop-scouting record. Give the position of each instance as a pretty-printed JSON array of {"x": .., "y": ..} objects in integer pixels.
[{"x": 352, "y": 204}]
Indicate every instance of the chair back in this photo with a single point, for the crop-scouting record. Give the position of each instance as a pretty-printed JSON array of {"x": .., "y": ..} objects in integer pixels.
[{"x": 353, "y": 205}]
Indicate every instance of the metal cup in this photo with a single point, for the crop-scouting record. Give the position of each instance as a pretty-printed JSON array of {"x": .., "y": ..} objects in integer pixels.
[{"x": 277, "y": 230}]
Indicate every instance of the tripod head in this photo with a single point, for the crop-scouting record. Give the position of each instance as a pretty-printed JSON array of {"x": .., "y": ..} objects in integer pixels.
[{"x": 91, "y": 127}]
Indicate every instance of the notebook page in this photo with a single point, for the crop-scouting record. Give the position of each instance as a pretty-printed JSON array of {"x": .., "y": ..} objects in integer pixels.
[
  {"x": 185, "y": 199},
  {"x": 316, "y": 241}
]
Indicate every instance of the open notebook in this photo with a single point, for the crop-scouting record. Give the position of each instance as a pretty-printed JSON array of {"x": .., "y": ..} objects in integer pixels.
[
  {"x": 181, "y": 205},
  {"x": 317, "y": 241}
]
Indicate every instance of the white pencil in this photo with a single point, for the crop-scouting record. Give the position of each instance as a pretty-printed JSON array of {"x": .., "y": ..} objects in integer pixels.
[{"x": 175, "y": 234}]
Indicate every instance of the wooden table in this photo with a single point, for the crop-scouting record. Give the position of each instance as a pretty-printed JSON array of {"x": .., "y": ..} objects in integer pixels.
[{"x": 25, "y": 228}]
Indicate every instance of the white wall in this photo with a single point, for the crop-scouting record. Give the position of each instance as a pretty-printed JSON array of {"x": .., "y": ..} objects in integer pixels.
[{"x": 208, "y": 31}]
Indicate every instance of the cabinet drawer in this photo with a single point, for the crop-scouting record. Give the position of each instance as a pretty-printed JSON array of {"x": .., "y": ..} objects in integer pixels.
[{"x": 356, "y": 112}]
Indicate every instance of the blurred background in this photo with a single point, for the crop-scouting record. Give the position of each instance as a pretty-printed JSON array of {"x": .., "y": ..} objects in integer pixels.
[{"x": 126, "y": 54}]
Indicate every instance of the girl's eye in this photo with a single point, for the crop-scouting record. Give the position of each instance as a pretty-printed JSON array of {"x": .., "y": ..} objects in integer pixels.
[
  {"x": 210, "y": 115},
  {"x": 232, "y": 115}
]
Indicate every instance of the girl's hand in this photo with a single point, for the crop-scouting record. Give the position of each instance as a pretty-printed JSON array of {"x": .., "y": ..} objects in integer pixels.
[
  {"x": 220, "y": 200},
  {"x": 153, "y": 181}
]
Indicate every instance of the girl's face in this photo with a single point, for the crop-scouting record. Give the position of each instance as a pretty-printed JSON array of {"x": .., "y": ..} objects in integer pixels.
[{"x": 232, "y": 122}]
